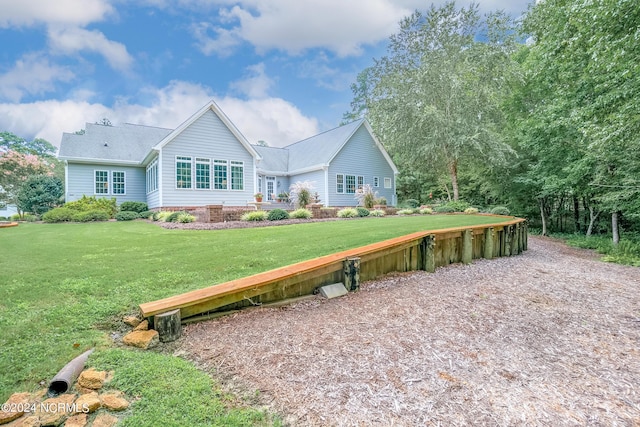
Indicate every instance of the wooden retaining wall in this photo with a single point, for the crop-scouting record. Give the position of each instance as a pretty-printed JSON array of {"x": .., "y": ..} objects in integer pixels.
[{"x": 424, "y": 250}]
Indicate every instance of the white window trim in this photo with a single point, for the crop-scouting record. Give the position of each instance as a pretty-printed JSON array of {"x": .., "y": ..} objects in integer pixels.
[
  {"x": 175, "y": 172},
  {"x": 95, "y": 182},
  {"x": 213, "y": 174},
  {"x": 376, "y": 182},
  {"x": 194, "y": 167},
  {"x": 124, "y": 183},
  {"x": 389, "y": 181},
  {"x": 230, "y": 174},
  {"x": 343, "y": 182},
  {"x": 152, "y": 176}
]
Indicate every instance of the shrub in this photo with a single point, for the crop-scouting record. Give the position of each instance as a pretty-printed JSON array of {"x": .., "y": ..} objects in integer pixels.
[
  {"x": 94, "y": 215},
  {"x": 412, "y": 203},
  {"x": 381, "y": 201},
  {"x": 3, "y": 218},
  {"x": 458, "y": 205},
  {"x": 377, "y": 212},
  {"x": 39, "y": 194},
  {"x": 500, "y": 210},
  {"x": 301, "y": 214},
  {"x": 138, "y": 207},
  {"x": 15, "y": 217},
  {"x": 147, "y": 214},
  {"x": 58, "y": 215},
  {"x": 471, "y": 211},
  {"x": 185, "y": 218},
  {"x": 405, "y": 212},
  {"x": 127, "y": 216},
  {"x": 30, "y": 218},
  {"x": 300, "y": 193},
  {"x": 162, "y": 216},
  {"x": 426, "y": 211},
  {"x": 277, "y": 215},
  {"x": 255, "y": 216},
  {"x": 362, "y": 212},
  {"x": 444, "y": 209},
  {"x": 347, "y": 213},
  {"x": 173, "y": 216},
  {"x": 85, "y": 204},
  {"x": 366, "y": 196}
]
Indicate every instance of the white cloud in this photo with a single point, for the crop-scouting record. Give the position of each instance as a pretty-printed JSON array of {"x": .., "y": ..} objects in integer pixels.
[
  {"x": 73, "y": 39},
  {"x": 255, "y": 84},
  {"x": 271, "y": 119},
  {"x": 34, "y": 12},
  {"x": 32, "y": 74}
]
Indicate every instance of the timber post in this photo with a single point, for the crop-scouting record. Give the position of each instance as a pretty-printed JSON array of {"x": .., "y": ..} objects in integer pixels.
[
  {"x": 525, "y": 226},
  {"x": 428, "y": 253},
  {"x": 467, "y": 246},
  {"x": 352, "y": 273},
  {"x": 515, "y": 234},
  {"x": 168, "y": 325},
  {"x": 488, "y": 243},
  {"x": 507, "y": 241}
]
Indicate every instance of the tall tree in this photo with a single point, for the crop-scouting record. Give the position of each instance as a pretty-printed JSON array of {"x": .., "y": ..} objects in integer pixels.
[
  {"x": 39, "y": 146},
  {"x": 39, "y": 194},
  {"x": 434, "y": 99},
  {"x": 16, "y": 168}
]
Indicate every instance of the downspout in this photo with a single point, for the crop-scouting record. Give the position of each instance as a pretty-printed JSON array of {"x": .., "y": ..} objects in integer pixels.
[
  {"x": 326, "y": 185},
  {"x": 66, "y": 180},
  {"x": 160, "y": 181}
]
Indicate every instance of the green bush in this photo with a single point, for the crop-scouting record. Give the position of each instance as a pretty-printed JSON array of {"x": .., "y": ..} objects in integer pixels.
[
  {"x": 500, "y": 210},
  {"x": 3, "y": 218},
  {"x": 161, "y": 216},
  {"x": 278, "y": 214},
  {"x": 30, "y": 218},
  {"x": 59, "y": 215},
  {"x": 444, "y": 209},
  {"x": 425, "y": 211},
  {"x": 458, "y": 205},
  {"x": 471, "y": 211},
  {"x": 301, "y": 214},
  {"x": 412, "y": 203},
  {"x": 377, "y": 212},
  {"x": 255, "y": 216},
  {"x": 127, "y": 216},
  {"x": 15, "y": 217},
  {"x": 381, "y": 201},
  {"x": 362, "y": 212},
  {"x": 406, "y": 212},
  {"x": 185, "y": 218},
  {"x": 138, "y": 207},
  {"x": 85, "y": 204},
  {"x": 347, "y": 213},
  {"x": 173, "y": 216},
  {"x": 147, "y": 214},
  {"x": 94, "y": 215}
]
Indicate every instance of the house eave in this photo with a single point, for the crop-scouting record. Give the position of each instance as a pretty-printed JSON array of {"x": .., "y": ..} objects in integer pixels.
[{"x": 92, "y": 161}]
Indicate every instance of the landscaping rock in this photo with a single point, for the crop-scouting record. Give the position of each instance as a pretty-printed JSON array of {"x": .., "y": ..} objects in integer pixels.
[
  {"x": 104, "y": 420},
  {"x": 92, "y": 379},
  {"x": 114, "y": 401},
  {"x": 142, "y": 339},
  {"x": 26, "y": 421},
  {"x": 52, "y": 412},
  {"x": 88, "y": 403},
  {"x": 16, "y": 404},
  {"x": 143, "y": 326},
  {"x": 79, "y": 420},
  {"x": 132, "y": 321}
]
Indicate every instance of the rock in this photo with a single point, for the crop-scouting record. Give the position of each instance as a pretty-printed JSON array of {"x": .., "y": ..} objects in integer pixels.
[
  {"x": 143, "y": 326},
  {"x": 79, "y": 420},
  {"x": 92, "y": 379},
  {"x": 52, "y": 412},
  {"x": 26, "y": 421},
  {"x": 88, "y": 403},
  {"x": 142, "y": 339},
  {"x": 132, "y": 321},
  {"x": 104, "y": 420},
  {"x": 114, "y": 401},
  {"x": 16, "y": 406},
  {"x": 83, "y": 390}
]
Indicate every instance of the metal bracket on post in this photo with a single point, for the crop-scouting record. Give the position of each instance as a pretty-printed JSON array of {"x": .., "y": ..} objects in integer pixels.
[
  {"x": 352, "y": 273},
  {"x": 427, "y": 253}
]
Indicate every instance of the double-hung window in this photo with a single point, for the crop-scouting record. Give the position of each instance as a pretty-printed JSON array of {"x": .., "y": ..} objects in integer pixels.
[
  {"x": 340, "y": 183},
  {"x": 118, "y": 182},
  {"x": 203, "y": 174},
  {"x": 387, "y": 183},
  {"x": 102, "y": 182},
  {"x": 183, "y": 172},
  {"x": 152, "y": 176},
  {"x": 351, "y": 184},
  {"x": 237, "y": 175},
  {"x": 220, "y": 174}
]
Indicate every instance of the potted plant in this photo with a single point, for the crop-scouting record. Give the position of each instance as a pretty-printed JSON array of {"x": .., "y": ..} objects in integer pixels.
[{"x": 258, "y": 197}]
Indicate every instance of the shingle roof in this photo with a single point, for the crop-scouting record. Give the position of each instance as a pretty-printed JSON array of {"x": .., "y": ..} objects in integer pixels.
[
  {"x": 273, "y": 159},
  {"x": 130, "y": 143}
]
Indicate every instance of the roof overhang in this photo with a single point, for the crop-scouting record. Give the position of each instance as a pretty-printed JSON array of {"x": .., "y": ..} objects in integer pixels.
[{"x": 86, "y": 160}]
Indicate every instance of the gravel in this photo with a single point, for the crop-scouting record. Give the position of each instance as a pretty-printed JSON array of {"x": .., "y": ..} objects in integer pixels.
[{"x": 549, "y": 337}]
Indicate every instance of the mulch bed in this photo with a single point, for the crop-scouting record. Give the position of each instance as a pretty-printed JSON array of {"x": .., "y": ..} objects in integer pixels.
[{"x": 550, "y": 337}]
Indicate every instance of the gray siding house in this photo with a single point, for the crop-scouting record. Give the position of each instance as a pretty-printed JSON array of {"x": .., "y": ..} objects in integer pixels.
[{"x": 207, "y": 161}]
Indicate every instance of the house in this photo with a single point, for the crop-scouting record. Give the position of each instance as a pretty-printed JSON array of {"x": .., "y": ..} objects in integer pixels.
[
  {"x": 7, "y": 211},
  {"x": 207, "y": 161}
]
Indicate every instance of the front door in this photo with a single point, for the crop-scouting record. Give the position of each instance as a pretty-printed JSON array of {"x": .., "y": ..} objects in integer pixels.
[{"x": 271, "y": 188}]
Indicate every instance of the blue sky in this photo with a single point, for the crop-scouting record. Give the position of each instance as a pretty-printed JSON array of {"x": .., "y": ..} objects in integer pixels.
[{"x": 280, "y": 69}]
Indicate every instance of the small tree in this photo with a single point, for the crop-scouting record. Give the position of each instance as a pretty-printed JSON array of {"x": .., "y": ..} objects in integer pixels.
[
  {"x": 39, "y": 194},
  {"x": 16, "y": 168},
  {"x": 366, "y": 196},
  {"x": 300, "y": 193}
]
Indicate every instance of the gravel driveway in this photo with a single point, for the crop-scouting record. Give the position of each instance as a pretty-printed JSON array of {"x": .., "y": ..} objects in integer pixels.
[{"x": 550, "y": 337}]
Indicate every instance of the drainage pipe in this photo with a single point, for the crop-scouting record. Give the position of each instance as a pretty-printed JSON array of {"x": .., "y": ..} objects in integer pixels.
[{"x": 68, "y": 375}]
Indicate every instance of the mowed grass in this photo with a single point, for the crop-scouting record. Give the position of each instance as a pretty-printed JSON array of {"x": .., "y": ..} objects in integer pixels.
[{"x": 64, "y": 287}]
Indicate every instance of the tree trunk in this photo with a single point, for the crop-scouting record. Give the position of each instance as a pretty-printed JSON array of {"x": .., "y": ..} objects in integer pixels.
[
  {"x": 543, "y": 218},
  {"x": 614, "y": 228},
  {"x": 453, "y": 172},
  {"x": 592, "y": 220},
  {"x": 576, "y": 214}
]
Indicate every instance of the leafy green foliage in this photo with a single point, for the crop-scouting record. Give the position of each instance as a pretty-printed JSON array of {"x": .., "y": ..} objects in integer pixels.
[
  {"x": 444, "y": 209},
  {"x": 381, "y": 201},
  {"x": 300, "y": 193},
  {"x": 301, "y": 214},
  {"x": 172, "y": 216},
  {"x": 147, "y": 214},
  {"x": 255, "y": 216},
  {"x": 127, "y": 216},
  {"x": 458, "y": 205},
  {"x": 86, "y": 203},
  {"x": 40, "y": 193},
  {"x": 277, "y": 215},
  {"x": 411, "y": 203},
  {"x": 186, "y": 218},
  {"x": 347, "y": 213},
  {"x": 366, "y": 196},
  {"x": 626, "y": 252},
  {"x": 426, "y": 211},
  {"x": 377, "y": 213},
  {"x": 406, "y": 212},
  {"x": 362, "y": 212},
  {"x": 93, "y": 215},
  {"x": 471, "y": 211},
  {"x": 59, "y": 215},
  {"x": 134, "y": 207},
  {"x": 500, "y": 210},
  {"x": 16, "y": 168}
]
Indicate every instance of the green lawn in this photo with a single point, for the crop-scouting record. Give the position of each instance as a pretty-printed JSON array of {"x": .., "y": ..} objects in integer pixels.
[{"x": 64, "y": 287}]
